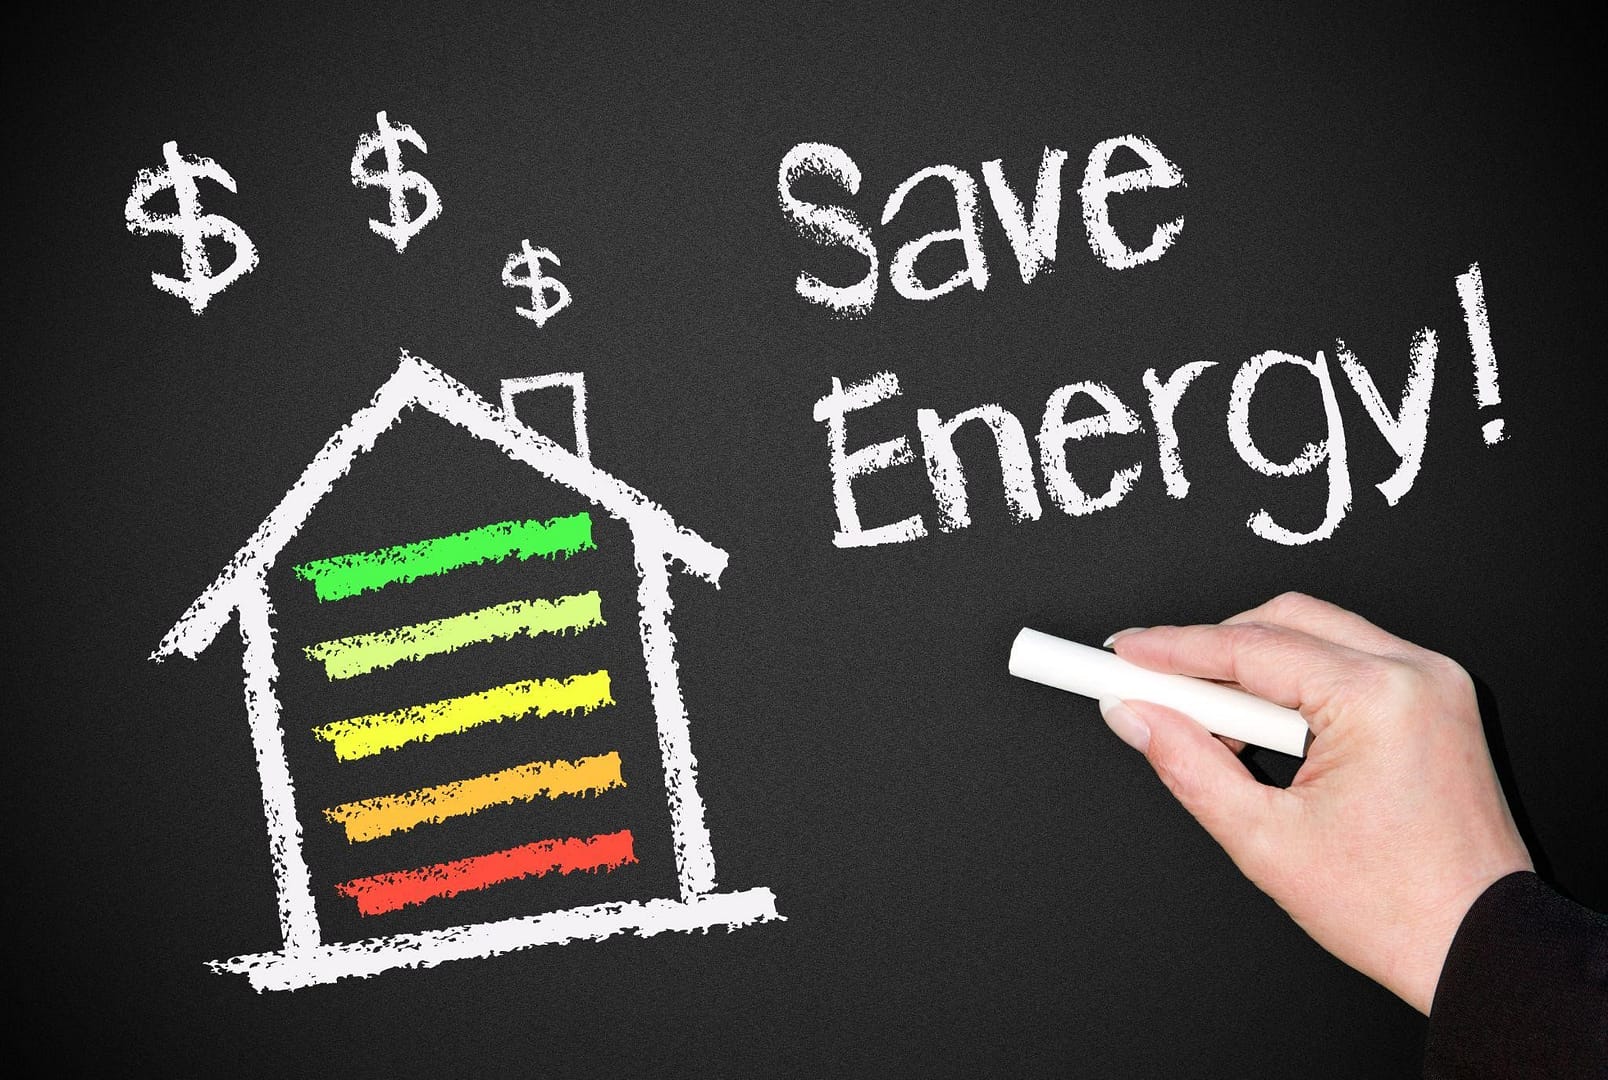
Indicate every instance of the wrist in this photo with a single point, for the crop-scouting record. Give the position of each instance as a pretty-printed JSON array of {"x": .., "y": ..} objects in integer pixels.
[{"x": 1417, "y": 969}]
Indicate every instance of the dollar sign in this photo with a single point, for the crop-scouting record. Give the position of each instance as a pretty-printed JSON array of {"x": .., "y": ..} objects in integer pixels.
[
  {"x": 539, "y": 310},
  {"x": 191, "y": 226},
  {"x": 390, "y": 138}
]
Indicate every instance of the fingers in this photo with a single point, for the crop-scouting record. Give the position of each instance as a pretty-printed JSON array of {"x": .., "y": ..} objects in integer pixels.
[
  {"x": 1321, "y": 619},
  {"x": 1203, "y": 774},
  {"x": 1285, "y": 666}
]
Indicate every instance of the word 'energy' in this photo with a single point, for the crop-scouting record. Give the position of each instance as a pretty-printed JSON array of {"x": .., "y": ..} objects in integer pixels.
[{"x": 1405, "y": 427}]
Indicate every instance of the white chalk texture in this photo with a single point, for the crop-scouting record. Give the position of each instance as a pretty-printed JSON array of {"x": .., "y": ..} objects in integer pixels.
[{"x": 1095, "y": 673}]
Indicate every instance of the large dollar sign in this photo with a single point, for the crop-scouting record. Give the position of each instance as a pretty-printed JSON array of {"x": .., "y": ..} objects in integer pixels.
[
  {"x": 192, "y": 227},
  {"x": 534, "y": 280},
  {"x": 390, "y": 138}
]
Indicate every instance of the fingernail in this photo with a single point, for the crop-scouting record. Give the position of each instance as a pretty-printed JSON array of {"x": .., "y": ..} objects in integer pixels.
[
  {"x": 1125, "y": 723},
  {"x": 1121, "y": 633}
]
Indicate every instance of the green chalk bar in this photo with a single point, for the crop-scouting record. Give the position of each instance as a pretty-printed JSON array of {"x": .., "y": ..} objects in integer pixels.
[{"x": 341, "y": 576}]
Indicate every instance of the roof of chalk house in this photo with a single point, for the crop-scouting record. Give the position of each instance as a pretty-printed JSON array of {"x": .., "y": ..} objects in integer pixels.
[{"x": 417, "y": 383}]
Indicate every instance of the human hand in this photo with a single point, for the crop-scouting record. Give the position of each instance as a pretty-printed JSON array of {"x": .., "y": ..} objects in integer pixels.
[{"x": 1394, "y": 824}]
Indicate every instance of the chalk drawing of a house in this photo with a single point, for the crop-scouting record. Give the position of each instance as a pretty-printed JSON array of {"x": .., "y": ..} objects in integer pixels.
[{"x": 242, "y": 589}]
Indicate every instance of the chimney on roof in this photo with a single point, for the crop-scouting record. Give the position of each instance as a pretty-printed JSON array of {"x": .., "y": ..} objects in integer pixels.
[{"x": 575, "y": 381}]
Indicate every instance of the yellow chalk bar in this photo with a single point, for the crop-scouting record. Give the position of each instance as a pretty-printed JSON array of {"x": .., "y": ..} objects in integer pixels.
[
  {"x": 364, "y": 736},
  {"x": 370, "y": 819}
]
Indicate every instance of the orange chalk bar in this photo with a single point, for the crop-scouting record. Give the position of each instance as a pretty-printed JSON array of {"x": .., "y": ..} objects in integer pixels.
[{"x": 370, "y": 819}]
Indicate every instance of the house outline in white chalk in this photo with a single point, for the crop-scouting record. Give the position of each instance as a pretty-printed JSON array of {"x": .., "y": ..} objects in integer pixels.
[{"x": 306, "y": 959}]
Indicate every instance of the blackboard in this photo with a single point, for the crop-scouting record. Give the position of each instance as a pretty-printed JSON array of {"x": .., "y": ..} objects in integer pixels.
[{"x": 971, "y": 876}]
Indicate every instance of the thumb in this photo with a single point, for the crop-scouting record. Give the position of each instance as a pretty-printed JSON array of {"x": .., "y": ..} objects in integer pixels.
[{"x": 1202, "y": 773}]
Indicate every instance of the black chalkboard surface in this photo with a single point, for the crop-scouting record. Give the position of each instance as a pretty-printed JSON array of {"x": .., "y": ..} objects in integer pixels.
[{"x": 364, "y": 726}]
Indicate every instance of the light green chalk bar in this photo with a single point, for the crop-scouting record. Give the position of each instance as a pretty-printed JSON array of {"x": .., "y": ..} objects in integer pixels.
[
  {"x": 357, "y": 655},
  {"x": 341, "y": 576}
]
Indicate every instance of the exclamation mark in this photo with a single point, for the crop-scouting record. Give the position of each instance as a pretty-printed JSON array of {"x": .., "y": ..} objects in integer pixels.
[{"x": 1471, "y": 291}]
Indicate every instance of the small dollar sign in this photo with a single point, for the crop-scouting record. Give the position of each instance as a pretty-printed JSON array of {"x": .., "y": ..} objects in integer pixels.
[
  {"x": 538, "y": 284},
  {"x": 191, "y": 226},
  {"x": 390, "y": 138}
]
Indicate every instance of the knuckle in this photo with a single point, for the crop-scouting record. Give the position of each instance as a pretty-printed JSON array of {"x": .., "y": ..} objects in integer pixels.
[
  {"x": 1290, "y": 604},
  {"x": 1250, "y": 635},
  {"x": 1449, "y": 673},
  {"x": 1402, "y": 681},
  {"x": 1173, "y": 774},
  {"x": 1248, "y": 646},
  {"x": 1444, "y": 666},
  {"x": 1409, "y": 688},
  {"x": 1254, "y": 639},
  {"x": 1258, "y": 852}
]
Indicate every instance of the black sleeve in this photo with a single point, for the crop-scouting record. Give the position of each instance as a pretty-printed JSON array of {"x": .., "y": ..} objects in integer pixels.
[{"x": 1524, "y": 992}]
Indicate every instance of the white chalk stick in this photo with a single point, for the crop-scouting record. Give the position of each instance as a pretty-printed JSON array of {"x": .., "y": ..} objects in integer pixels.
[{"x": 1095, "y": 673}]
